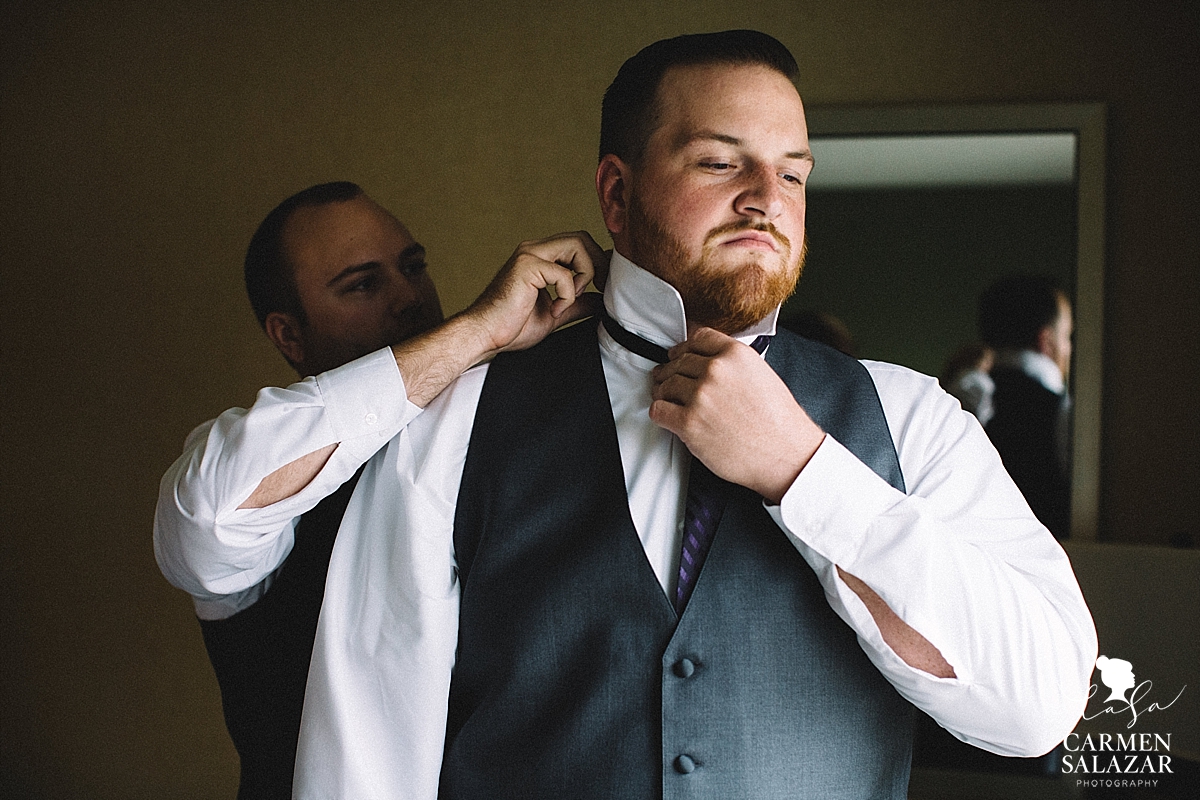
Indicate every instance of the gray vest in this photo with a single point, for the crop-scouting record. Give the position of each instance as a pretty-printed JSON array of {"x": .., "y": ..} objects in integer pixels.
[{"x": 574, "y": 676}]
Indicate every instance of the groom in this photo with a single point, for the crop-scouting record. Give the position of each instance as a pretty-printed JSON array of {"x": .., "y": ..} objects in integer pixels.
[{"x": 642, "y": 560}]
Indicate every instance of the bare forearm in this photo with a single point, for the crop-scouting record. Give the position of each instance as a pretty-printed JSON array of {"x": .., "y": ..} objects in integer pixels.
[
  {"x": 430, "y": 362},
  {"x": 913, "y": 648},
  {"x": 289, "y": 479},
  {"x": 216, "y": 532},
  {"x": 427, "y": 363}
]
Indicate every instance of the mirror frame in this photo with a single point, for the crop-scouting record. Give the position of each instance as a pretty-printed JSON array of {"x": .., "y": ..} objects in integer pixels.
[{"x": 1087, "y": 121}]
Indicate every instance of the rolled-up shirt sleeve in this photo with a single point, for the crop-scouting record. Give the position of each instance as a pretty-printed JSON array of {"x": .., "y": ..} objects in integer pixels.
[
  {"x": 961, "y": 559},
  {"x": 208, "y": 546}
]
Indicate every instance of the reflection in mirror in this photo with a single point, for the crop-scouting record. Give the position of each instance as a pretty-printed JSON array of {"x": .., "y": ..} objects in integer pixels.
[{"x": 912, "y": 212}]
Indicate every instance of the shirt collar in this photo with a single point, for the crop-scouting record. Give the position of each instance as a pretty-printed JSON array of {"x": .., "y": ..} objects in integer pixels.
[
  {"x": 1036, "y": 365},
  {"x": 647, "y": 305}
]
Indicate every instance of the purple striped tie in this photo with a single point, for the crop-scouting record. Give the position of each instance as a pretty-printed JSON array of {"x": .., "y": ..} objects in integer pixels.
[
  {"x": 702, "y": 514},
  {"x": 705, "y": 505},
  {"x": 706, "y": 492}
]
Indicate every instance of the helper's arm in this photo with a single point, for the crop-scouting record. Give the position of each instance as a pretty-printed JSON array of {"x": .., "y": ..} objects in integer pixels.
[{"x": 227, "y": 506}]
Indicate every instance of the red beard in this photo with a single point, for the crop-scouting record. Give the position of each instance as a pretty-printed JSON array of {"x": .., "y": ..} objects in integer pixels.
[{"x": 727, "y": 298}]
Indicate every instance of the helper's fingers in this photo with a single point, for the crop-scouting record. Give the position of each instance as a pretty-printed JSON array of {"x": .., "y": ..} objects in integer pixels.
[
  {"x": 530, "y": 269},
  {"x": 578, "y": 257},
  {"x": 587, "y": 304},
  {"x": 577, "y": 251},
  {"x": 589, "y": 264},
  {"x": 563, "y": 281}
]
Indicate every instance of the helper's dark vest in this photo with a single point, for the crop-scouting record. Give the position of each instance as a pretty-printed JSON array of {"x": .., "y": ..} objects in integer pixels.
[
  {"x": 261, "y": 655},
  {"x": 574, "y": 677}
]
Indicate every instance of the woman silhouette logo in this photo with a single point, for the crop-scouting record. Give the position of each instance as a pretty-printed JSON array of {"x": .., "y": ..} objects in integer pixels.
[{"x": 1116, "y": 674}]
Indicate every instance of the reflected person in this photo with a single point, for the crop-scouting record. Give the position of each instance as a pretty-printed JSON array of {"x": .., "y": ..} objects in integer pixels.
[
  {"x": 967, "y": 376},
  {"x": 1027, "y": 320}
]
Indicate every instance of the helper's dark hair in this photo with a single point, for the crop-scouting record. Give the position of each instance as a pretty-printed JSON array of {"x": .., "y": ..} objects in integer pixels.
[
  {"x": 1014, "y": 309},
  {"x": 270, "y": 280},
  {"x": 629, "y": 114}
]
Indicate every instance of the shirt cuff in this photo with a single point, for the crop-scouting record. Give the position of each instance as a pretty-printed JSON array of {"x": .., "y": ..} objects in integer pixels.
[
  {"x": 833, "y": 502},
  {"x": 365, "y": 401}
]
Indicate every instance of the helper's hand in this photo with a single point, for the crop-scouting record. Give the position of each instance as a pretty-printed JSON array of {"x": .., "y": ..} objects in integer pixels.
[
  {"x": 734, "y": 413},
  {"x": 516, "y": 310}
]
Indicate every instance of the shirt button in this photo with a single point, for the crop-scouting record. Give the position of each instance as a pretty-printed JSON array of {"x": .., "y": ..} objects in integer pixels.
[
  {"x": 685, "y": 765},
  {"x": 684, "y": 668},
  {"x": 370, "y": 418}
]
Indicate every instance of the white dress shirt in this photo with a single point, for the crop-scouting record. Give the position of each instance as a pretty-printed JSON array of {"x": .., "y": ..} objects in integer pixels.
[{"x": 959, "y": 557}]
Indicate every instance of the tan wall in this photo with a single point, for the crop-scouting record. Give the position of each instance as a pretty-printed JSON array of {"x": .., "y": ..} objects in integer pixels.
[{"x": 142, "y": 142}]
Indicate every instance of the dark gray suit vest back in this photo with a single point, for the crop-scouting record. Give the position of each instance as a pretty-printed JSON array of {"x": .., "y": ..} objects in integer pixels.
[{"x": 575, "y": 678}]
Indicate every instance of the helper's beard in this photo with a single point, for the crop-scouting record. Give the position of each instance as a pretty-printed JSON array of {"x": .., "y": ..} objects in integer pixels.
[{"x": 727, "y": 298}]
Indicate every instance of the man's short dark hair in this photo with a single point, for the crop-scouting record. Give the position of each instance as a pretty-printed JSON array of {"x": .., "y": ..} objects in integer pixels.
[
  {"x": 629, "y": 114},
  {"x": 270, "y": 279},
  {"x": 1015, "y": 309}
]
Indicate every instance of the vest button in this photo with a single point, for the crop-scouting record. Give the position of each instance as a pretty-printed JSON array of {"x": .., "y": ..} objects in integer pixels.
[
  {"x": 685, "y": 765},
  {"x": 684, "y": 668}
]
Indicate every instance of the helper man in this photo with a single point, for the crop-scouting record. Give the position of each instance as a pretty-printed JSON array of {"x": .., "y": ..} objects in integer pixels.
[
  {"x": 1027, "y": 320},
  {"x": 332, "y": 277},
  {"x": 528, "y": 597}
]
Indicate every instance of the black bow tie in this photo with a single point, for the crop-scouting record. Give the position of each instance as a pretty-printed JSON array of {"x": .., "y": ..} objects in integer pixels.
[{"x": 636, "y": 344}]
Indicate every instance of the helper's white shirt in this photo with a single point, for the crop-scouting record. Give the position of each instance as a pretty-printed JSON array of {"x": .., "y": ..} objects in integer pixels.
[{"x": 960, "y": 558}]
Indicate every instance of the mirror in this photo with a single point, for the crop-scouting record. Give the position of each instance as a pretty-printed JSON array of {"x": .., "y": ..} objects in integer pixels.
[{"x": 995, "y": 189}]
